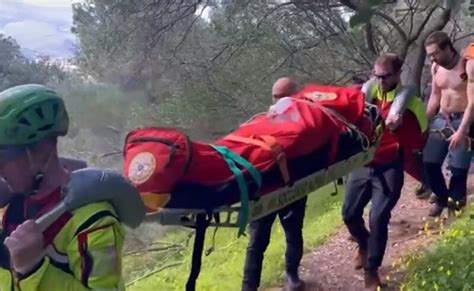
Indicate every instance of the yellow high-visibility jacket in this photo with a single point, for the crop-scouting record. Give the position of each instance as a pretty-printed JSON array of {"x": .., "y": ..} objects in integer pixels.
[{"x": 85, "y": 254}]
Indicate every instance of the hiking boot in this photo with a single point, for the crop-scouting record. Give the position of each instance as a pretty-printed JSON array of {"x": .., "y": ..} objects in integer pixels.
[
  {"x": 436, "y": 210},
  {"x": 422, "y": 192},
  {"x": 433, "y": 198},
  {"x": 372, "y": 280},
  {"x": 293, "y": 283},
  {"x": 360, "y": 261},
  {"x": 456, "y": 205}
]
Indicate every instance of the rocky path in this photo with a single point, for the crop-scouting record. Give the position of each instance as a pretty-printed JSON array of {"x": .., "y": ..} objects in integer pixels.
[{"x": 330, "y": 266}]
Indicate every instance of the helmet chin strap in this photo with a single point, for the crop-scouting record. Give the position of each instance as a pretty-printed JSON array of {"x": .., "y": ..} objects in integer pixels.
[
  {"x": 37, "y": 180},
  {"x": 39, "y": 175}
]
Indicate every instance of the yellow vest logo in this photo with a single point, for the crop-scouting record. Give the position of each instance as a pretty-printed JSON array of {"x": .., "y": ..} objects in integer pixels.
[{"x": 141, "y": 167}]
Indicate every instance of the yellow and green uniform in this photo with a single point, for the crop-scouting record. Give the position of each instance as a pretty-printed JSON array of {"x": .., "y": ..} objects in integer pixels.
[
  {"x": 85, "y": 253},
  {"x": 409, "y": 137},
  {"x": 415, "y": 104}
]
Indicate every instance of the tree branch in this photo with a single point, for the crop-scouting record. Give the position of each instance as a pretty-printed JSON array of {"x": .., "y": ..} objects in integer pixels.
[
  {"x": 423, "y": 24},
  {"x": 393, "y": 23},
  {"x": 155, "y": 249},
  {"x": 463, "y": 37},
  {"x": 421, "y": 54},
  {"x": 186, "y": 33},
  {"x": 170, "y": 265},
  {"x": 369, "y": 39}
]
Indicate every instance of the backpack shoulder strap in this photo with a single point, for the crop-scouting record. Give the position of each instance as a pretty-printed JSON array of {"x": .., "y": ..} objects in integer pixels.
[
  {"x": 469, "y": 52},
  {"x": 463, "y": 75},
  {"x": 435, "y": 69},
  {"x": 468, "y": 55}
]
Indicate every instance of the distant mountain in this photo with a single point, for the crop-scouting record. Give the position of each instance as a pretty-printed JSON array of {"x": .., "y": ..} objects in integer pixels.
[{"x": 65, "y": 50}]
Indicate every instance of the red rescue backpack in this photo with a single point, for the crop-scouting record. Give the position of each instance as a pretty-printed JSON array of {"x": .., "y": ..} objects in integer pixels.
[
  {"x": 156, "y": 154},
  {"x": 347, "y": 101}
]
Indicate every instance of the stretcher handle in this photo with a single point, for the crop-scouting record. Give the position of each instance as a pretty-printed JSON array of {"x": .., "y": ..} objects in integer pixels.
[{"x": 47, "y": 219}]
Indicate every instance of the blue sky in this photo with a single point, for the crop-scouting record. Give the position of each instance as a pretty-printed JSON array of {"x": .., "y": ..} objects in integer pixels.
[{"x": 39, "y": 26}]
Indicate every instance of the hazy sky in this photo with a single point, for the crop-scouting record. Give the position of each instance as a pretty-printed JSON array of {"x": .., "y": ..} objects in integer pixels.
[{"x": 39, "y": 26}]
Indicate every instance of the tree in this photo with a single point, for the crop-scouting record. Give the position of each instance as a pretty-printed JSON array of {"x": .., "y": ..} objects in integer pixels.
[
  {"x": 16, "y": 69},
  {"x": 117, "y": 38},
  {"x": 374, "y": 27},
  {"x": 423, "y": 18},
  {"x": 195, "y": 71}
]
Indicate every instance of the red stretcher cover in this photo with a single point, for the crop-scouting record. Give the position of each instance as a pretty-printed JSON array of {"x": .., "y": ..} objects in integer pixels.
[{"x": 170, "y": 170}]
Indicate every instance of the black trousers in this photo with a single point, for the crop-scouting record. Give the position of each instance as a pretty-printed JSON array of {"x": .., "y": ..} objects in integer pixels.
[
  {"x": 291, "y": 218},
  {"x": 383, "y": 186}
]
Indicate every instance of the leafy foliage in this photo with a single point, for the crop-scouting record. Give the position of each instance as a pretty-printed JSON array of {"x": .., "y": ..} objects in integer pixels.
[
  {"x": 450, "y": 266},
  {"x": 222, "y": 269},
  {"x": 15, "y": 69}
]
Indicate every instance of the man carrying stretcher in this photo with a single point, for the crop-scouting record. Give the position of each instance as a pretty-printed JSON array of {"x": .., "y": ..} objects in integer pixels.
[
  {"x": 300, "y": 137},
  {"x": 82, "y": 249},
  {"x": 382, "y": 180},
  {"x": 291, "y": 218}
]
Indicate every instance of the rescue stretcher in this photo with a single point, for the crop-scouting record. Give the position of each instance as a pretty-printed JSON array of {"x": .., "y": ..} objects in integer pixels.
[
  {"x": 268, "y": 203},
  {"x": 201, "y": 219},
  {"x": 334, "y": 133},
  {"x": 284, "y": 196},
  {"x": 231, "y": 216}
]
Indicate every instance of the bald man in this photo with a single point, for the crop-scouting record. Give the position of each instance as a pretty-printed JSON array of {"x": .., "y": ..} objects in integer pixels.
[
  {"x": 291, "y": 218},
  {"x": 283, "y": 87}
]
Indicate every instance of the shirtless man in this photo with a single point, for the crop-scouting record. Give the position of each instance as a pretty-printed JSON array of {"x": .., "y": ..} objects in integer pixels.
[{"x": 450, "y": 109}]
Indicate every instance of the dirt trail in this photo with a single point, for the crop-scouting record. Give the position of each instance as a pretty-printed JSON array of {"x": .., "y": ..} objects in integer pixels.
[{"x": 330, "y": 266}]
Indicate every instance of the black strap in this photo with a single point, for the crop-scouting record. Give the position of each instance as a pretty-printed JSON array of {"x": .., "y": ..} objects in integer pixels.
[
  {"x": 335, "y": 183},
  {"x": 435, "y": 70},
  {"x": 174, "y": 146},
  {"x": 217, "y": 219},
  {"x": 88, "y": 260},
  {"x": 4, "y": 254},
  {"x": 463, "y": 75},
  {"x": 202, "y": 222},
  {"x": 340, "y": 181},
  {"x": 93, "y": 219}
]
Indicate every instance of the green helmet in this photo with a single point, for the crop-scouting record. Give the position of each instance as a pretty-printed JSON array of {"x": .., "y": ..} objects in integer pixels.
[{"x": 30, "y": 113}]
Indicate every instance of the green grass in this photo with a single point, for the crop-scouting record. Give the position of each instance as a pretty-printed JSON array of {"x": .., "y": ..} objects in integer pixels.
[
  {"x": 222, "y": 269},
  {"x": 450, "y": 265}
]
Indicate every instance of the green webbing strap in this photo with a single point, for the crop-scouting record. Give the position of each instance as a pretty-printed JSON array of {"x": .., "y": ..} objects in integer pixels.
[{"x": 231, "y": 159}]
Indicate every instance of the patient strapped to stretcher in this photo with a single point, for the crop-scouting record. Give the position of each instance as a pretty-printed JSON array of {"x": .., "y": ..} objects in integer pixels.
[{"x": 298, "y": 136}]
